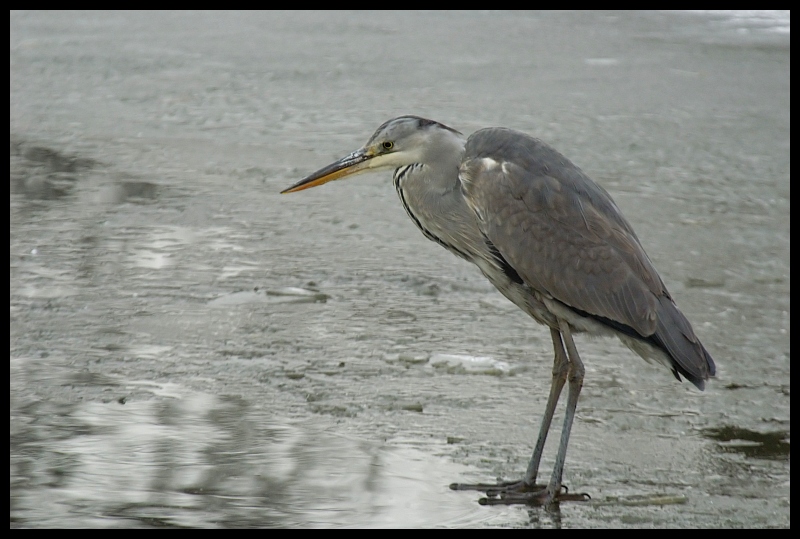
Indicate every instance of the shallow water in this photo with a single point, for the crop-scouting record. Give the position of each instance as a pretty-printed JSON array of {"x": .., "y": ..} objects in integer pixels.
[{"x": 188, "y": 348}]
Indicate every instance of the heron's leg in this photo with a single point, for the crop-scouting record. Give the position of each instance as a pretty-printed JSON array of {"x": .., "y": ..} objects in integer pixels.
[
  {"x": 576, "y": 372},
  {"x": 553, "y": 492},
  {"x": 526, "y": 490},
  {"x": 560, "y": 372}
]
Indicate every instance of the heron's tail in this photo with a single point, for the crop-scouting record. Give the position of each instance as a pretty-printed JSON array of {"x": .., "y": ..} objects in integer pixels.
[{"x": 675, "y": 335}]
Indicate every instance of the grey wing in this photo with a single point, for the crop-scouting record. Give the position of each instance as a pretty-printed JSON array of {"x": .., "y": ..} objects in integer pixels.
[{"x": 566, "y": 238}]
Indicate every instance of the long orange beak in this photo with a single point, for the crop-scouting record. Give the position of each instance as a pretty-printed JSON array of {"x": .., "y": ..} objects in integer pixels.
[{"x": 346, "y": 166}]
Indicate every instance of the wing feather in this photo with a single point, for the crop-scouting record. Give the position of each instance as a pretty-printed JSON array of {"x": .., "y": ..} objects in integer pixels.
[
  {"x": 559, "y": 230},
  {"x": 566, "y": 238}
]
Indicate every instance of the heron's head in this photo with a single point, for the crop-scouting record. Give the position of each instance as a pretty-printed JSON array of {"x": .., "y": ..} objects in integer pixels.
[{"x": 401, "y": 141}]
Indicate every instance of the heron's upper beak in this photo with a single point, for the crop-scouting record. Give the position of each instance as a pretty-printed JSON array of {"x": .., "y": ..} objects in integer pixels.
[{"x": 358, "y": 161}]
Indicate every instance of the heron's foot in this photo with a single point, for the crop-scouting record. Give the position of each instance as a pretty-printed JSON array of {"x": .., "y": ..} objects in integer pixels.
[
  {"x": 502, "y": 487},
  {"x": 520, "y": 492},
  {"x": 542, "y": 497}
]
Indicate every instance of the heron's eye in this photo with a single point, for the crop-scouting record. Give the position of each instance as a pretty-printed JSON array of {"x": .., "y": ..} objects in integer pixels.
[{"x": 388, "y": 145}]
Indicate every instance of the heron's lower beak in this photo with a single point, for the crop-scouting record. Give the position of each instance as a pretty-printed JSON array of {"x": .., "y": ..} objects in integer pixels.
[{"x": 346, "y": 166}]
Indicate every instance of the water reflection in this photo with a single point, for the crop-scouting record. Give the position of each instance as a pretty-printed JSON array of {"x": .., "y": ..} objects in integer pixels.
[
  {"x": 42, "y": 173},
  {"x": 194, "y": 459}
]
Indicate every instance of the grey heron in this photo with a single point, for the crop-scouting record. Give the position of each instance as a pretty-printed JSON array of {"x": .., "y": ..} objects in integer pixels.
[{"x": 550, "y": 239}]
